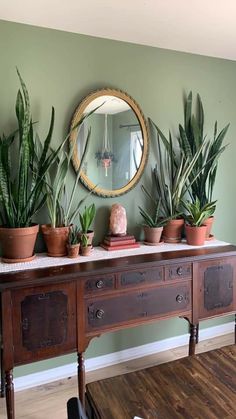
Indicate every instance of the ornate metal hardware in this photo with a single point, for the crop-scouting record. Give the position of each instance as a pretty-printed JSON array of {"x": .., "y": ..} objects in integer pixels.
[
  {"x": 100, "y": 283},
  {"x": 45, "y": 296},
  {"x": 100, "y": 313},
  {"x": 25, "y": 323},
  {"x": 180, "y": 271},
  {"x": 179, "y": 298}
]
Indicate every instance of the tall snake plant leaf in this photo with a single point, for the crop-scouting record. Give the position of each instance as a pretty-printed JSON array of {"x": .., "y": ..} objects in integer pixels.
[
  {"x": 184, "y": 143},
  {"x": 200, "y": 115},
  {"x": 188, "y": 112},
  {"x": 24, "y": 157}
]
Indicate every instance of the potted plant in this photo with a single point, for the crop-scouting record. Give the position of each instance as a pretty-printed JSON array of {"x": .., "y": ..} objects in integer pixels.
[
  {"x": 63, "y": 206},
  {"x": 171, "y": 180},
  {"x": 22, "y": 181},
  {"x": 195, "y": 217},
  {"x": 153, "y": 221},
  {"x": 86, "y": 219},
  {"x": 73, "y": 243},
  {"x": 85, "y": 245},
  {"x": 191, "y": 139}
]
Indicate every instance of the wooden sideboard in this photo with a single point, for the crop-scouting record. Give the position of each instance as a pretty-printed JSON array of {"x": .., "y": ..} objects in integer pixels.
[{"x": 53, "y": 311}]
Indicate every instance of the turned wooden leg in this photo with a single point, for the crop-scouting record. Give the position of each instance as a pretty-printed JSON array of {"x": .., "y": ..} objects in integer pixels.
[
  {"x": 81, "y": 378},
  {"x": 10, "y": 395},
  {"x": 2, "y": 376},
  {"x": 235, "y": 329},
  {"x": 197, "y": 336},
  {"x": 193, "y": 338}
]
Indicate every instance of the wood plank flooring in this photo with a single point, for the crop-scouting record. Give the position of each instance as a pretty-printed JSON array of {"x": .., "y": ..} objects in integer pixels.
[
  {"x": 49, "y": 401},
  {"x": 199, "y": 387}
]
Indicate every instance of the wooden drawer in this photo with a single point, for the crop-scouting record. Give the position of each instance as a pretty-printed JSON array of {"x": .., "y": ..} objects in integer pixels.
[
  {"x": 140, "y": 276},
  {"x": 105, "y": 312},
  {"x": 178, "y": 271},
  {"x": 99, "y": 283}
]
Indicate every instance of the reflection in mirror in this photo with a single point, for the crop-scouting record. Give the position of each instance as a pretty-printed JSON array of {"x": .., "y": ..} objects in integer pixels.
[{"x": 118, "y": 143}]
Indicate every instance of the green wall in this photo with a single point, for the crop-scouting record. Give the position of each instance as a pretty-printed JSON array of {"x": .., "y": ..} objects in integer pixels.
[{"x": 60, "y": 68}]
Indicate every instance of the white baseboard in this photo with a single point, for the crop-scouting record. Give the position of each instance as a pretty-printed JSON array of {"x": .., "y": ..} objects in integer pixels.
[{"x": 65, "y": 371}]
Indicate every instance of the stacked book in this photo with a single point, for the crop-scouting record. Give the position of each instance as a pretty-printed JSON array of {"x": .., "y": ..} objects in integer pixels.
[{"x": 119, "y": 242}]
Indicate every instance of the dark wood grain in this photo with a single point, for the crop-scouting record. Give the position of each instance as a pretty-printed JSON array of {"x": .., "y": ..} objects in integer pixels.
[
  {"x": 68, "y": 272},
  {"x": 198, "y": 387},
  {"x": 53, "y": 311}
]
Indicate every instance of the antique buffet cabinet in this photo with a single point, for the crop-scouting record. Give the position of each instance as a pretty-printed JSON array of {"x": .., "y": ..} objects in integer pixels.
[{"x": 53, "y": 311}]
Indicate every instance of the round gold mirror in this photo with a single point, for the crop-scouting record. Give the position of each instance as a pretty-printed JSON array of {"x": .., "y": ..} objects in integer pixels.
[{"x": 118, "y": 142}]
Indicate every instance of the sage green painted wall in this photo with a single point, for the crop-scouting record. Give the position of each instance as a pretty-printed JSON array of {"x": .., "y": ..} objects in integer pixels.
[{"x": 60, "y": 68}]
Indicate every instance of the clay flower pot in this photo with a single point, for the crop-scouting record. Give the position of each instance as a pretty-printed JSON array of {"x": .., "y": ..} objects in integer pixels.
[
  {"x": 152, "y": 235},
  {"x": 208, "y": 222},
  {"x": 172, "y": 231},
  {"x": 195, "y": 236},
  {"x": 56, "y": 240},
  {"x": 18, "y": 243},
  {"x": 86, "y": 250},
  {"x": 89, "y": 234},
  {"x": 73, "y": 250}
]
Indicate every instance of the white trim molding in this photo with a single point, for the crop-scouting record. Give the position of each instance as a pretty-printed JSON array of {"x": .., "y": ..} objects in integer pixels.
[{"x": 91, "y": 364}]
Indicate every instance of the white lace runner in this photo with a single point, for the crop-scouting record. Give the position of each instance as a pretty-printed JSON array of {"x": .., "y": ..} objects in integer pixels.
[{"x": 42, "y": 260}]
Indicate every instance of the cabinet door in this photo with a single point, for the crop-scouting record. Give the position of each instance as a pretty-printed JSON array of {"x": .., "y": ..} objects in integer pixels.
[
  {"x": 44, "y": 321},
  {"x": 214, "y": 287}
]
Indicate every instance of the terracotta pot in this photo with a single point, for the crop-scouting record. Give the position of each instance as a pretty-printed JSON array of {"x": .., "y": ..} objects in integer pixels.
[
  {"x": 18, "y": 243},
  {"x": 208, "y": 222},
  {"x": 55, "y": 239},
  {"x": 86, "y": 250},
  {"x": 172, "y": 231},
  {"x": 73, "y": 250},
  {"x": 89, "y": 234},
  {"x": 195, "y": 236},
  {"x": 152, "y": 235}
]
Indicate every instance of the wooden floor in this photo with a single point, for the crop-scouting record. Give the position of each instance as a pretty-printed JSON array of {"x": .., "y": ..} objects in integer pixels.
[
  {"x": 195, "y": 387},
  {"x": 49, "y": 401}
]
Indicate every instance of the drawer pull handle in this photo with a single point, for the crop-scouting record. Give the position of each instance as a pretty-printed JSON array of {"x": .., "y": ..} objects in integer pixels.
[
  {"x": 180, "y": 271},
  {"x": 179, "y": 298},
  {"x": 100, "y": 314},
  {"x": 100, "y": 283}
]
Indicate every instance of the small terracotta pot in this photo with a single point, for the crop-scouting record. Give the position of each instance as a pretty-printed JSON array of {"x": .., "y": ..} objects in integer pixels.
[
  {"x": 56, "y": 239},
  {"x": 18, "y": 243},
  {"x": 73, "y": 250},
  {"x": 208, "y": 222},
  {"x": 89, "y": 234},
  {"x": 86, "y": 250},
  {"x": 172, "y": 231},
  {"x": 152, "y": 235},
  {"x": 195, "y": 236}
]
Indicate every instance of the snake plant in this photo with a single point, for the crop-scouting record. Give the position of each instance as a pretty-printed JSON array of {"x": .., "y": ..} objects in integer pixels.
[
  {"x": 172, "y": 173},
  {"x": 24, "y": 163},
  {"x": 191, "y": 139},
  {"x": 196, "y": 215},
  {"x": 63, "y": 206},
  {"x": 87, "y": 217},
  {"x": 153, "y": 218}
]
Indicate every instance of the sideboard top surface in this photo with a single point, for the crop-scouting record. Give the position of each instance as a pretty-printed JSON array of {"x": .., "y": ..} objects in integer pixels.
[{"x": 78, "y": 270}]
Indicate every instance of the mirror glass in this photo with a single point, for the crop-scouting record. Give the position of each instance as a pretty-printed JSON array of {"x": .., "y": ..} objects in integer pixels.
[{"x": 118, "y": 142}]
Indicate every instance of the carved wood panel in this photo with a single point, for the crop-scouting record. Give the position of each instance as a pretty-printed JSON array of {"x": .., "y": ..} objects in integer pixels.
[
  {"x": 140, "y": 277},
  {"x": 215, "y": 284},
  {"x": 44, "y": 322}
]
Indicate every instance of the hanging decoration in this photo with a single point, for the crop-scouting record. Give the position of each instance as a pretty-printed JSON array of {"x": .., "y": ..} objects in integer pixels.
[{"x": 105, "y": 156}]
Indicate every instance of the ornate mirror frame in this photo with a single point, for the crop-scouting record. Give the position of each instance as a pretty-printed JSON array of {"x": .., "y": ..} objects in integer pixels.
[{"x": 74, "y": 133}]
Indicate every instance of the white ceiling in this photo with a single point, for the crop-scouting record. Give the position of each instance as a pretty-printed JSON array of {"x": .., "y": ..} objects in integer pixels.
[{"x": 206, "y": 27}]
